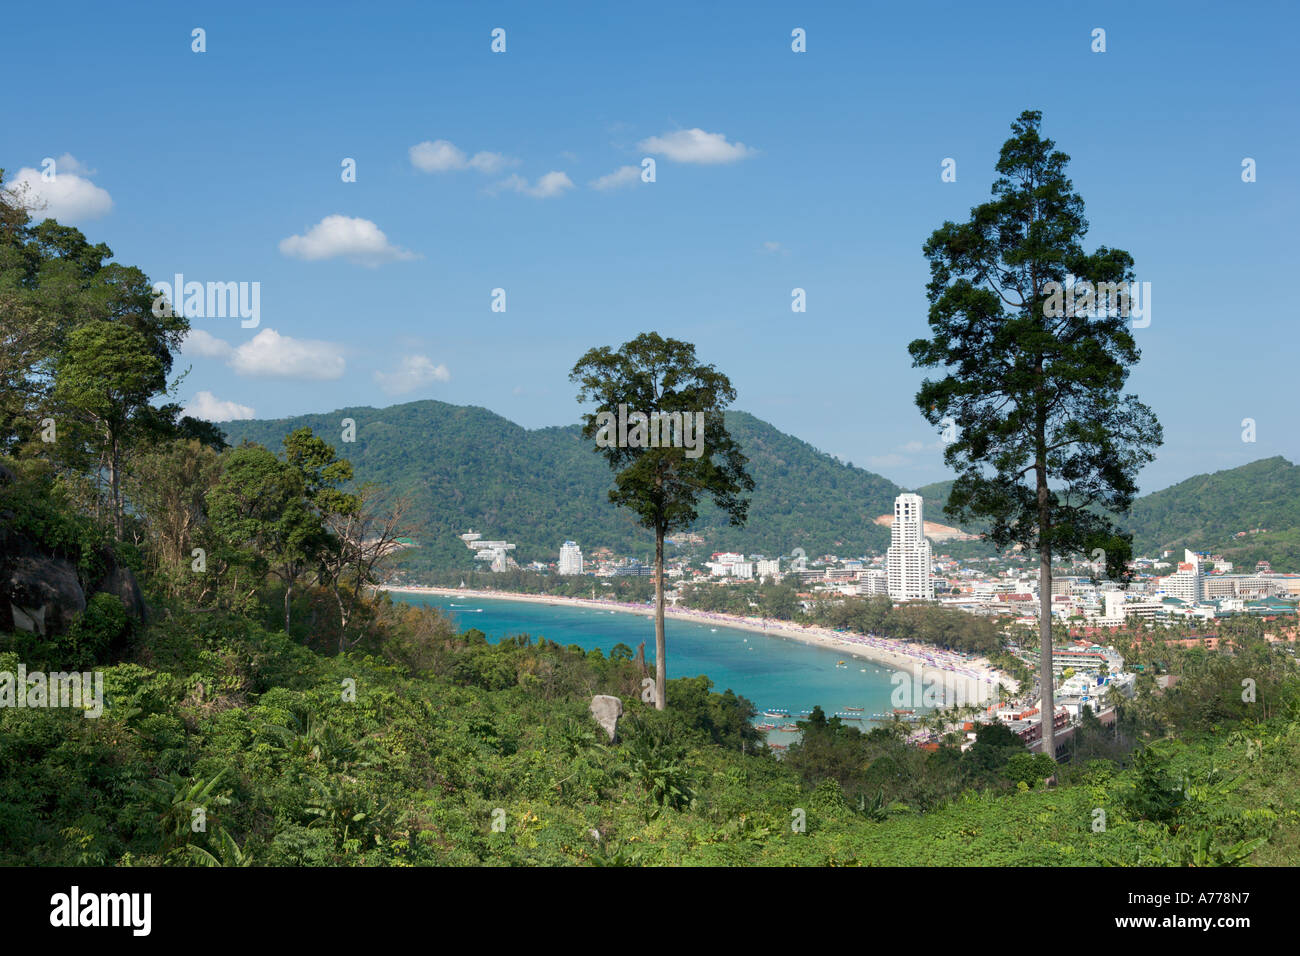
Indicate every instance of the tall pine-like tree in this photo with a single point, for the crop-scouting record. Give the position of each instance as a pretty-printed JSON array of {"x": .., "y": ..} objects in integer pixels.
[{"x": 1035, "y": 339}]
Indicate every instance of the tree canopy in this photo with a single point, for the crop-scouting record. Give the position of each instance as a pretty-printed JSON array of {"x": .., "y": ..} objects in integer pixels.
[{"x": 1047, "y": 444}]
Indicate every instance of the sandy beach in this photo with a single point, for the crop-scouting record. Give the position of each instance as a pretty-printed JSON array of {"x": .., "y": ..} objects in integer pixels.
[{"x": 960, "y": 679}]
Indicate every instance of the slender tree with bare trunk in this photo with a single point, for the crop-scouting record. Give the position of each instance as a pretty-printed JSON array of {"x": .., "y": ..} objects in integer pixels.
[
  {"x": 640, "y": 393},
  {"x": 363, "y": 537},
  {"x": 1034, "y": 334}
]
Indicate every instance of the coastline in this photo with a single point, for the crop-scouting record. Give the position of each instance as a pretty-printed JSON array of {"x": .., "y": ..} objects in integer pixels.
[{"x": 926, "y": 663}]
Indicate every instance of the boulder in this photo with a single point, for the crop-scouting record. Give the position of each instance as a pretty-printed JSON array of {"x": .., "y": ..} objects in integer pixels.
[
  {"x": 121, "y": 582},
  {"x": 41, "y": 595},
  {"x": 607, "y": 710}
]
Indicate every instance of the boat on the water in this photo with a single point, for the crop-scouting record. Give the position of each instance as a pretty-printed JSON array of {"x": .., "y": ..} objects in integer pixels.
[
  {"x": 854, "y": 710},
  {"x": 766, "y": 726},
  {"x": 790, "y": 728}
]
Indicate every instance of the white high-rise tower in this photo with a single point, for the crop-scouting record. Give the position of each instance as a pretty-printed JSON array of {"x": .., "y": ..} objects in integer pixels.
[
  {"x": 908, "y": 561},
  {"x": 570, "y": 558}
]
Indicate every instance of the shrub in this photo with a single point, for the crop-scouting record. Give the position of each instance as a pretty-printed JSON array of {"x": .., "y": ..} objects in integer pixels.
[{"x": 102, "y": 627}]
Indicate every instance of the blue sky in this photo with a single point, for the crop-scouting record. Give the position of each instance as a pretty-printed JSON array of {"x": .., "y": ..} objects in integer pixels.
[{"x": 775, "y": 170}]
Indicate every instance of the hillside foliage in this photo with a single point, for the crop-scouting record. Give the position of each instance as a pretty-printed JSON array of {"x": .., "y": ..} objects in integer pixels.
[{"x": 466, "y": 467}]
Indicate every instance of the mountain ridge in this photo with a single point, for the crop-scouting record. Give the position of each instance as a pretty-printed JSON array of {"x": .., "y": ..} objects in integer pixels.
[
  {"x": 466, "y": 466},
  {"x": 1248, "y": 513}
]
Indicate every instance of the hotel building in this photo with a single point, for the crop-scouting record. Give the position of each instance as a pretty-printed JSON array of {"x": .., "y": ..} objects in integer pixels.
[{"x": 908, "y": 560}]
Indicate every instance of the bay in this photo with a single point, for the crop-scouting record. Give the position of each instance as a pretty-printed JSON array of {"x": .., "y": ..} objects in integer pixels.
[{"x": 776, "y": 673}]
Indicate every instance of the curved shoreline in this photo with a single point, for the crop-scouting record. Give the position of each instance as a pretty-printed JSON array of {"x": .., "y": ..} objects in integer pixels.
[{"x": 925, "y": 662}]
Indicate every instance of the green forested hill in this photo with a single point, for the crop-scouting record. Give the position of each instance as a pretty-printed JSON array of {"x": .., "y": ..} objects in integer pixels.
[
  {"x": 1206, "y": 512},
  {"x": 467, "y": 467},
  {"x": 935, "y": 496}
]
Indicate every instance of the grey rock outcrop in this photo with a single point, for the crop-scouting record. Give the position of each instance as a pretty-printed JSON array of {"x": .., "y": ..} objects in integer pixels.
[
  {"x": 607, "y": 710},
  {"x": 121, "y": 582},
  {"x": 42, "y": 594}
]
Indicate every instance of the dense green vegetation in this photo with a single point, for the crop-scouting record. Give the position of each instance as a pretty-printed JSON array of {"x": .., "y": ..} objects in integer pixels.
[{"x": 448, "y": 733}]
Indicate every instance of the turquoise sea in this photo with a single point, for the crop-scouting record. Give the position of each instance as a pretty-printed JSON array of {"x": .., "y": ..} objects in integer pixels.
[{"x": 776, "y": 673}]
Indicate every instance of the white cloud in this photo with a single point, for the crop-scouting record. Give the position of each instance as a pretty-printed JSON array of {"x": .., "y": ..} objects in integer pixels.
[
  {"x": 441, "y": 156},
  {"x": 696, "y": 146},
  {"x": 623, "y": 176},
  {"x": 775, "y": 248},
  {"x": 272, "y": 355},
  {"x": 70, "y": 197},
  {"x": 208, "y": 407},
  {"x": 205, "y": 345},
  {"x": 490, "y": 162},
  {"x": 357, "y": 240},
  {"x": 67, "y": 163},
  {"x": 414, "y": 371},
  {"x": 552, "y": 184}
]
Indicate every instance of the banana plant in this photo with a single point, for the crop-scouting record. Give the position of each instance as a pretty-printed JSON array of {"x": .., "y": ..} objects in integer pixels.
[
  {"x": 179, "y": 798},
  {"x": 229, "y": 853}
]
